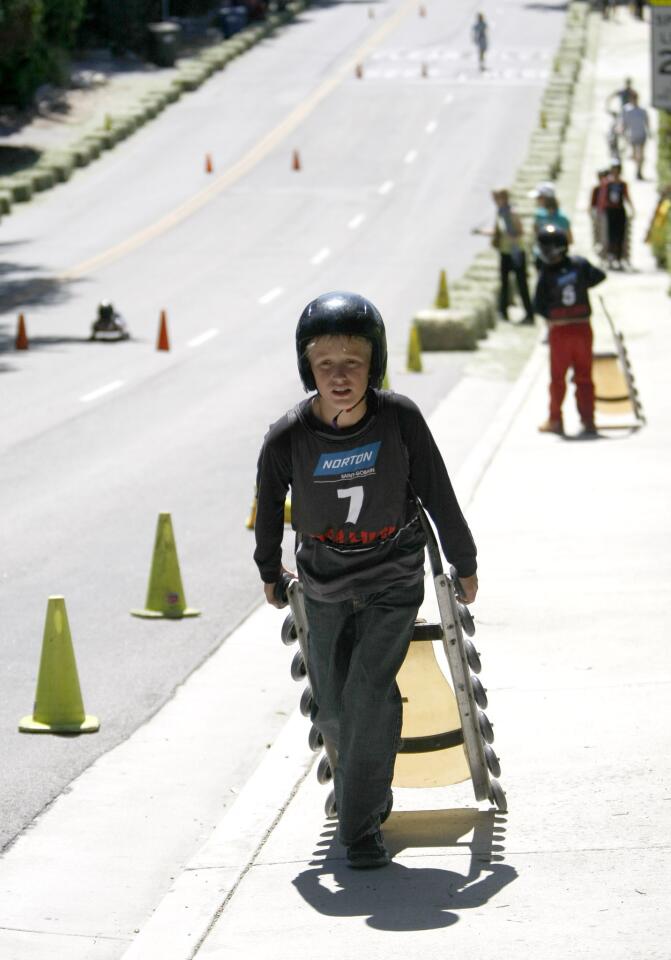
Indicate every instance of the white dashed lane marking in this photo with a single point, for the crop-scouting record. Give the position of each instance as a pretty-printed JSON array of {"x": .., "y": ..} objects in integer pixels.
[
  {"x": 431, "y": 127},
  {"x": 319, "y": 257},
  {"x": 101, "y": 391},
  {"x": 356, "y": 222},
  {"x": 271, "y": 295},
  {"x": 385, "y": 187},
  {"x": 410, "y": 156},
  {"x": 203, "y": 338}
]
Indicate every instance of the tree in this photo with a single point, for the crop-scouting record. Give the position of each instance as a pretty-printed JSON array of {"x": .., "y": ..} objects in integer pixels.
[{"x": 21, "y": 70}]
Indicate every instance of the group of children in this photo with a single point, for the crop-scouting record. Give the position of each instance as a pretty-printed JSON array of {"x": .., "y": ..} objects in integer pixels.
[{"x": 561, "y": 296}]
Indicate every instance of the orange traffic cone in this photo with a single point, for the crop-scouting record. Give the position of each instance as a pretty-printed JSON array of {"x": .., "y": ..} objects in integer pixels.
[
  {"x": 208, "y": 163},
  {"x": 295, "y": 161},
  {"x": 163, "y": 343},
  {"x": 21, "y": 342},
  {"x": 358, "y": 71}
]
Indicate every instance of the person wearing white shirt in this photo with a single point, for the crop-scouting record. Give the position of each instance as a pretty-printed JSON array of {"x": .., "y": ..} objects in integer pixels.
[{"x": 636, "y": 129}]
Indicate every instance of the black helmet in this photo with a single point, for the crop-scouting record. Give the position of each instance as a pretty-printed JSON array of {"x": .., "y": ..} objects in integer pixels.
[
  {"x": 105, "y": 310},
  {"x": 341, "y": 313},
  {"x": 552, "y": 244}
]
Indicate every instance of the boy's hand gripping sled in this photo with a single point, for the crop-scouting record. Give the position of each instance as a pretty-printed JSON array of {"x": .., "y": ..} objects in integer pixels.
[{"x": 461, "y": 747}]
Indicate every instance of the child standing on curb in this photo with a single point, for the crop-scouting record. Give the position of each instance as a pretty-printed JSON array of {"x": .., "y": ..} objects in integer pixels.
[
  {"x": 562, "y": 298},
  {"x": 355, "y": 457}
]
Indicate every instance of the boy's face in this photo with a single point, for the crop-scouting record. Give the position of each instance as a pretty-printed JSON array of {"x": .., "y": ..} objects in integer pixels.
[{"x": 340, "y": 366}]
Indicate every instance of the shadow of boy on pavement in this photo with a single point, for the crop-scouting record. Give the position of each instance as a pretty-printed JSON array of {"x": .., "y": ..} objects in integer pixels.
[{"x": 399, "y": 898}]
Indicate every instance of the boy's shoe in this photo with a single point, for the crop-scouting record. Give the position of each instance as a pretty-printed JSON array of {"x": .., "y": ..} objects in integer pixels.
[
  {"x": 588, "y": 430},
  {"x": 552, "y": 426},
  {"x": 368, "y": 852}
]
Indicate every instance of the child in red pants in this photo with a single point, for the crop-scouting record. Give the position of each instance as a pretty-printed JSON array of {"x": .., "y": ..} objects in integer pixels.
[{"x": 562, "y": 298}]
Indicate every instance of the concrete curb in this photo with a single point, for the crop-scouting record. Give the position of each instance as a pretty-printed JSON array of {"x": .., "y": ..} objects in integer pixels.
[
  {"x": 186, "y": 914},
  {"x": 57, "y": 166},
  {"x": 467, "y": 322}
]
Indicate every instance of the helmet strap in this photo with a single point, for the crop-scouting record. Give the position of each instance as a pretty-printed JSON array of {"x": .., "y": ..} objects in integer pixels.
[{"x": 334, "y": 423}]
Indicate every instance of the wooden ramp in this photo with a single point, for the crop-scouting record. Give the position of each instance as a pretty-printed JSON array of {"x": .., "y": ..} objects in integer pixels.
[{"x": 430, "y": 717}]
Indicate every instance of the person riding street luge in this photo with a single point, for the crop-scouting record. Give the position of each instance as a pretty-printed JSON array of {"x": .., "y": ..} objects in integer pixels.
[{"x": 356, "y": 457}]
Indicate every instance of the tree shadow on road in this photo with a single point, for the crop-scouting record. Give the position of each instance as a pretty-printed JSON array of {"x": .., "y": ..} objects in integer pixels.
[
  {"x": 399, "y": 898},
  {"x": 17, "y": 291},
  {"x": 23, "y": 286}
]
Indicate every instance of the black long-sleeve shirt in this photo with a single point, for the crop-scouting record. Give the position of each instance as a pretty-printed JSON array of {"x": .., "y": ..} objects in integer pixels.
[
  {"x": 561, "y": 294},
  {"x": 368, "y": 535}
]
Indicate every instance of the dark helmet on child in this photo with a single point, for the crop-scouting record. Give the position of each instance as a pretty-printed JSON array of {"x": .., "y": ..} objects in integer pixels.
[
  {"x": 341, "y": 314},
  {"x": 105, "y": 310},
  {"x": 552, "y": 243}
]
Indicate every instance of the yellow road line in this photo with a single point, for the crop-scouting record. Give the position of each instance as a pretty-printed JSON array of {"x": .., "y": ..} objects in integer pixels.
[{"x": 247, "y": 162}]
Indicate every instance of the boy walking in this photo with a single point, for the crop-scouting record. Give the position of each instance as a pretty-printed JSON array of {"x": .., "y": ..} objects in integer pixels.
[
  {"x": 562, "y": 298},
  {"x": 356, "y": 458}
]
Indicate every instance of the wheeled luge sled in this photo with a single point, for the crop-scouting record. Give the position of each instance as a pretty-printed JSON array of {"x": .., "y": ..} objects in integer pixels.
[
  {"x": 615, "y": 389},
  {"x": 446, "y": 737}
]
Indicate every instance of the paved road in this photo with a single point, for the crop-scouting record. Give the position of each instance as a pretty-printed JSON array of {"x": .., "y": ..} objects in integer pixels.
[{"x": 96, "y": 439}]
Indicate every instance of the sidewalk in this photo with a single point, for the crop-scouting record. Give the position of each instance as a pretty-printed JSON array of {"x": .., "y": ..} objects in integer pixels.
[{"x": 571, "y": 622}]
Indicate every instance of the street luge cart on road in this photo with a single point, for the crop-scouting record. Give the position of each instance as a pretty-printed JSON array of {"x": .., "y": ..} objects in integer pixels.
[{"x": 446, "y": 737}]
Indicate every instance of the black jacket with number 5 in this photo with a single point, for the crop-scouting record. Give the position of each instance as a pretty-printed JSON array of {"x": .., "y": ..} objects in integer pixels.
[
  {"x": 561, "y": 294},
  {"x": 356, "y": 523}
]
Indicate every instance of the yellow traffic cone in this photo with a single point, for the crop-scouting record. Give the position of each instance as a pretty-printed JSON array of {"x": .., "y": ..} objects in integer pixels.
[
  {"x": 165, "y": 593},
  {"x": 250, "y": 523},
  {"x": 58, "y": 701},
  {"x": 414, "y": 351},
  {"x": 442, "y": 300}
]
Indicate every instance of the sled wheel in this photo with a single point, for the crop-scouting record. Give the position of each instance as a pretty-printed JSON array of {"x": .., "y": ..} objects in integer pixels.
[
  {"x": 479, "y": 693},
  {"x": 324, "y": 774},
  {"x": 472, "y": 656},
  {"x": 289, "y": 634},
  {"x": 492, "y": 761},
  {"x": 330, "y": 808},
  {"x": 298, "y": 671},
  {"x": 485, "y": 727},
  {"x": 467, "y": 624},
  {"x": 306, "y": 702},
  {"x": 498, "y": 796},
  {"x": 315, "y": 739}
]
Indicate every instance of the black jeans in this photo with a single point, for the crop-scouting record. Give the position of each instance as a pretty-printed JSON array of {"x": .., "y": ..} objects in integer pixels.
[
  {"x": 518, "y": 265},
  {"x": 355, "y": 649}
]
